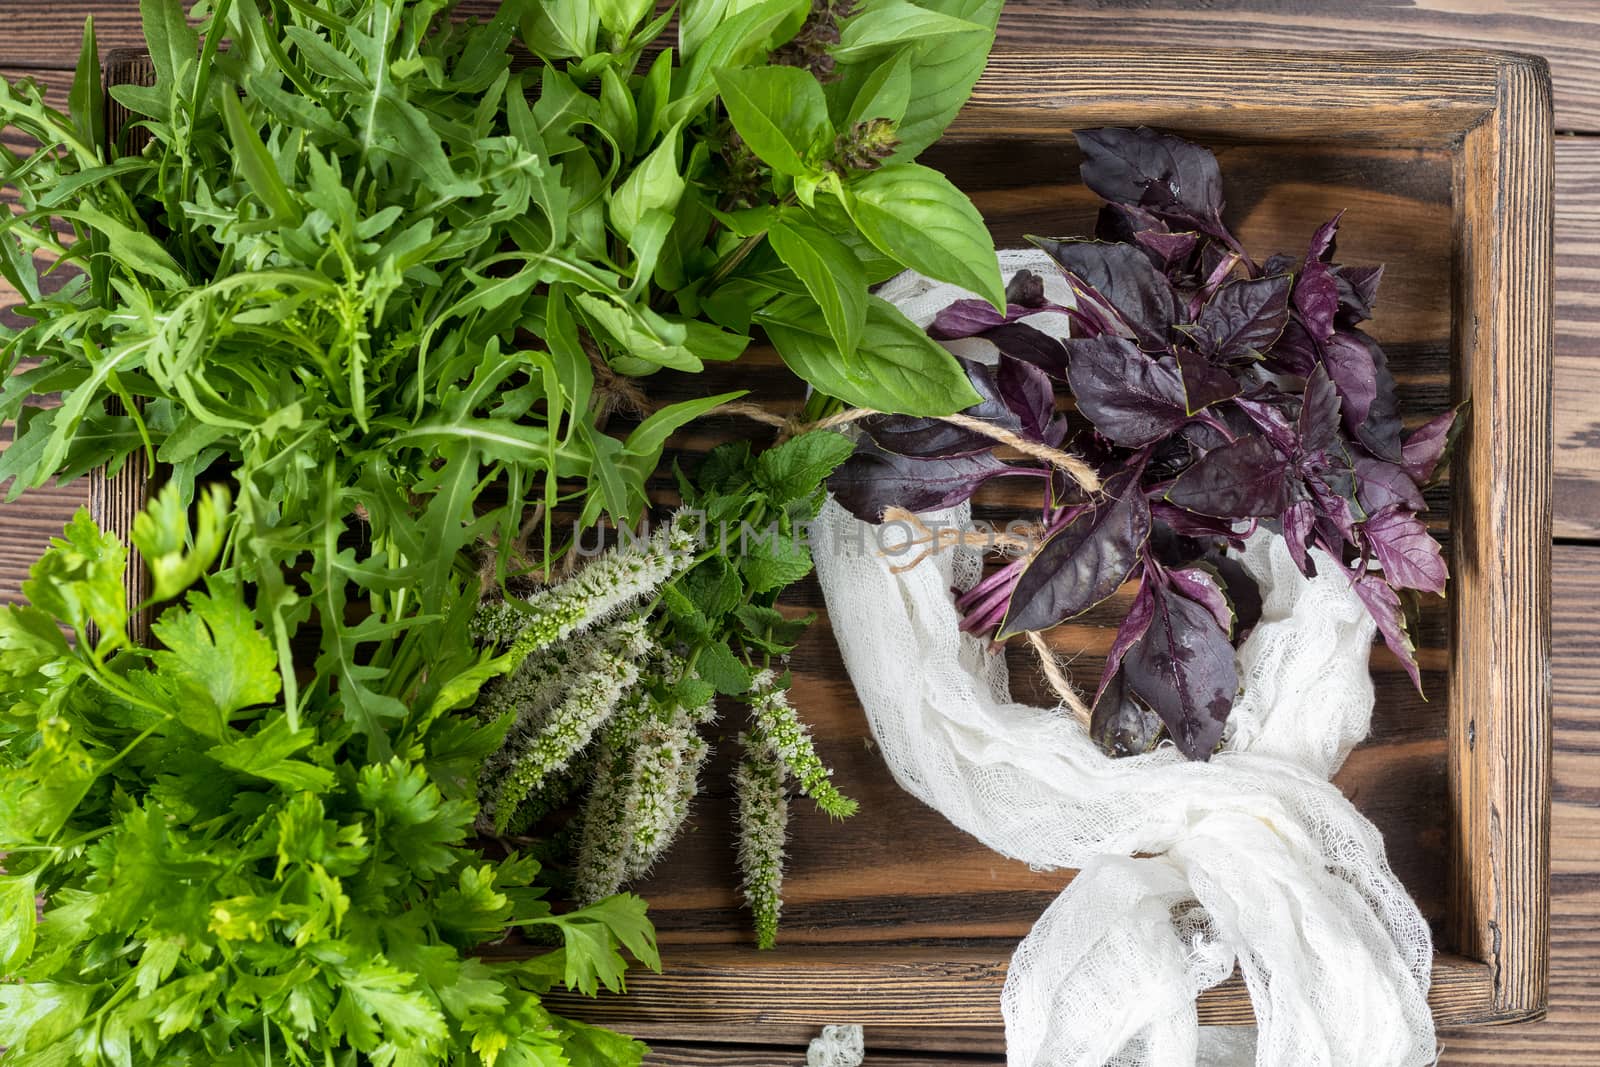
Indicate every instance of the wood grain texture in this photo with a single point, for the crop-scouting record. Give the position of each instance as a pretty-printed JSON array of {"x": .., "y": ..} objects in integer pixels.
[
  {"x": 1564, "y": 30},
  {"x": 1570, "y": 1032},
  {"x": 1500, "y": 670},
  {"x": 944, "y": 998},
  {"x": 1577, "y": 338}
]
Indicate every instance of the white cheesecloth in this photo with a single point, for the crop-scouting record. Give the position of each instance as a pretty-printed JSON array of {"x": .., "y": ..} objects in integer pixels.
[{"x": 1185, "y": 870}]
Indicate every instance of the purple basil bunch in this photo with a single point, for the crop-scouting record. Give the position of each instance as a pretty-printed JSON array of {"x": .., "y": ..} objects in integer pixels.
[{"x": 1213, "y": 394}]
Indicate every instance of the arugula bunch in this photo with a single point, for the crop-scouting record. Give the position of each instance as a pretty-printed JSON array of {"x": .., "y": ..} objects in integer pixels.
[
  {"x": 361, "y": 271},
  {"x": 224, "y": 879},
  {"x": 1215, "y": 394}
]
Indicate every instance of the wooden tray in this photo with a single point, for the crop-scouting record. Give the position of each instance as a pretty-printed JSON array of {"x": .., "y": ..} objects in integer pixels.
[{"x": 898, "y": 921}]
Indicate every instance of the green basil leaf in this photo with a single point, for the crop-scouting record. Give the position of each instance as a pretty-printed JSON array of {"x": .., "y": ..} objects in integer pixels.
[
  {"x": 894, "y": 23},
  {"x": 621, "y": 16},
  {"x": 650, "y": 436},
  {"x": 779, "y": 111},
  {"x": 561, "y": 29},
  {"x": 745, "y": 33},
  {"x": 639, "y": 333},
  {"x": 654, "y": 184},
  {"x": 896, "y": 369},
  {"x": 944, "y": 72},
  {"x": 887, "y": 91},
  {"x": 830, "y": 272},
  {"x": 913, "y": 213}
]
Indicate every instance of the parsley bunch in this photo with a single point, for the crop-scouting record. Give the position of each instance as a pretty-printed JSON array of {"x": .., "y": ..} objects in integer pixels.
[{"x": 224, "y": 879}]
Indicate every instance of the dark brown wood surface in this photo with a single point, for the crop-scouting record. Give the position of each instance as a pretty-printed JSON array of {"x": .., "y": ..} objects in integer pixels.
[{"x": 947, "y": 902}]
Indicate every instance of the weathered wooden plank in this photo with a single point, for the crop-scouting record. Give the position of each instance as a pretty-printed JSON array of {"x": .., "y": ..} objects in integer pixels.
[
  {"x": 1577, "y": 325},
  {"x": 940, "y": 998},
  {"x": 1570, "y": 1033},
  {"x": 1500, "y": 531}
]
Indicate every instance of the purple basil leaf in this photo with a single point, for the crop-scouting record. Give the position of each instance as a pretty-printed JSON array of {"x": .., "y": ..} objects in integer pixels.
[
  {"x": 1026, "y": 289},
  {"x": 1360, "y": 371},
  {"x": 1319, "y": 414},
  {"x": 1246, "y": 479},
  {"x": 1380, "y": 485},
  {"x": 1358, "y": 291},
  {"x": 1279, "y": 264},
  {"x": 1426, "y": 445},
  {"x": 1132, "y": 629},
  {"x": 1336, "y": 523},
  {"x": 1203, "y": 384},
  {"x": 967, "y": 318},
  {"x": 1243, "y": 592},
  {"x": 1316, "y": 298},
  {"x": 1120, "y": 222},
  {"x": 1168, "y": 251},
  {"x": 1129, "y": 397},
  {"x": 920, "y": 438},
  {"x": 1244, "y": 319},
  {"x": 1298, "y": 522},
  {"x": 1271, "y": 419},
  {"x": 1322, "y": 242},
  {"x": 1408, "y": 553},
  {"x": 1083, "y": 562},
  {"x": 1121, "y": 723},
  {"x": 1030, "y": 397},
  {"x": 1163, "y": 174},
  {"x": 974, "y": 318},
  {"x": 931, "y": 438},
  {"x": 1295, "y": 352},
  {"x": 1021, "y": 341},
  {"x": 1122, "y": 276},
  {"x": 874, "y": 479},
  {"x": 1201, "y": 586},
  {"x": 1183, "y": 667},
  {"x": 1187, "y": 523},
  {"x": 1353, "y": 368},
  {"x": 1383, "y": 604}
]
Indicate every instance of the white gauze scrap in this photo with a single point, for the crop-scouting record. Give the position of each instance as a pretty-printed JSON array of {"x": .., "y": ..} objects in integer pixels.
[{"x": 1185, "y": 870}]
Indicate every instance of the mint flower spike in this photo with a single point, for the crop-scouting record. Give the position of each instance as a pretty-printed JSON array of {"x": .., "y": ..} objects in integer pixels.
[
  {"x": 607, "y": 585},
  {"x": 570, "y": 724},
  {"x": 776, "y": 725},
  {"x": 646, "y": 776},
  {"x": 763, "y": 828},
  {"x": 664, "y": 777}
]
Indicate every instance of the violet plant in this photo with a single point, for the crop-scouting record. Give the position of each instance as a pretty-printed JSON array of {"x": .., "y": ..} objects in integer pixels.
[{"x": 1216, "y": 394}]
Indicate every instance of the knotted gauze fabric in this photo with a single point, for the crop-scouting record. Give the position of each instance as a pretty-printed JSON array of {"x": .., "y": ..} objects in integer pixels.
[{"x": 1185, "y": 870}]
